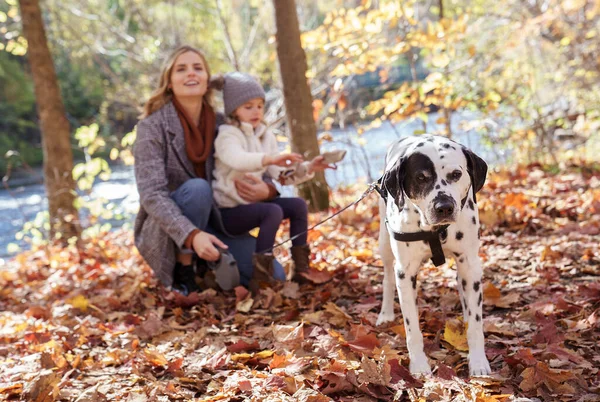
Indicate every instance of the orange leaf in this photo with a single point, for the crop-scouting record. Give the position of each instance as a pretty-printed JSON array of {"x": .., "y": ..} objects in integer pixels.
[
  {"x": 278, "y": 361},
  {"x": 175, "y": 365},
  {"x": 155, "y": 358}
]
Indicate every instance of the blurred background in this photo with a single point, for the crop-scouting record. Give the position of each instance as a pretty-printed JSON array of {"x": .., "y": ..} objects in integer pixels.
[{"x": 517, "y": 81}]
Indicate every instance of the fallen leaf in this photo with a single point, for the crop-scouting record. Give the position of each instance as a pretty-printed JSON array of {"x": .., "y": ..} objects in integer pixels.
[
  {"x": 243, "y": 346},
  {"x": 80, "y": 302},
  {"x": 155, "y": 358},
  {"x": 455, "y": 333},
  {"x": 364, "y": 344}
]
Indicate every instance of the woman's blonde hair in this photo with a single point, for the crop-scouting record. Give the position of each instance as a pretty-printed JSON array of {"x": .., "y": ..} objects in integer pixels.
[{"x": 163, "y": 94}]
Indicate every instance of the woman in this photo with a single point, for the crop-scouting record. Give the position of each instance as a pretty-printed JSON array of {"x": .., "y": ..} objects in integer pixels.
[{"x": 173, "y": 169}]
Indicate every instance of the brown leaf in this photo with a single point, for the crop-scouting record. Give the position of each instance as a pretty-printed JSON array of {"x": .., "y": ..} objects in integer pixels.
[
  {"x": 364, "y": 344},
  {"x": 493, "y": 296},
  {"x": 337, "y": 316},
  {"x": 275, "y": 383},
  {"x": 554, "y": 380},
  {"x": 175, "y": 365},
  {"x": 180, "y": 300},
  {"x": 400, "y": 373},
  {"x": 150, "y": 327},
  {"x": 445, "y": 372},
  {"x": 289, "y": 335},
  {"x": 316, "y": 276},
  {"x": 522, "y": 356},
  {"x": 240, "y": 293},
  {"x": 243, "y": 346},
  {"x": 291, "y": 290},
  {"x": 43, "y": 387},
  {"x": 373, "y": 373}
]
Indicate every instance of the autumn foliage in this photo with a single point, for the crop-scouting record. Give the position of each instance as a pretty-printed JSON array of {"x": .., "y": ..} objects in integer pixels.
[{"x": 94, "y": 325}]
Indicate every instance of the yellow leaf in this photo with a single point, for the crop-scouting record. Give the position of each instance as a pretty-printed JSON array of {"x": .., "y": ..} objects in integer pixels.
[
  {"x": 79, "y": 302},
  {"x": 241, "y": 356},
  {"x": 455, "y": 333},
  {"x": 263, "y": 354}
]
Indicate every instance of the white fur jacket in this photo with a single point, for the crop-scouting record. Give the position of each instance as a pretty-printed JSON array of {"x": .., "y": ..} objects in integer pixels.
[{"x": 239, "y": 151}]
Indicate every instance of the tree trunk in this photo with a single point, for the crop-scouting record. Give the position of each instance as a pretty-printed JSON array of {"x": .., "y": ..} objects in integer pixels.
[
  {"x": 56, "y": 145},
  {"x": 298, "y": 99}
]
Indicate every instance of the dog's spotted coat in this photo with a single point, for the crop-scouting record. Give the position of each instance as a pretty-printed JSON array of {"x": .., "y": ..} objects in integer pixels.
[{"x": 430, "y": 181}]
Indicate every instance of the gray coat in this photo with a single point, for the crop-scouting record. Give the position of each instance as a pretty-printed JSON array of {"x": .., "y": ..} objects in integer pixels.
[{"x": 161, "y": 166}]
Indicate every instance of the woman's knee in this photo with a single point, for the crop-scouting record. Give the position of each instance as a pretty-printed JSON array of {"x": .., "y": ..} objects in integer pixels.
[{"x": 197, "y": 190}]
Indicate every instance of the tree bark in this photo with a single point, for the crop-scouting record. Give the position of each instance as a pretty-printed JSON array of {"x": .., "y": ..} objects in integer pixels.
[
  {"x": 298, "y": 99},
  {"x": 56, "y": 145}
]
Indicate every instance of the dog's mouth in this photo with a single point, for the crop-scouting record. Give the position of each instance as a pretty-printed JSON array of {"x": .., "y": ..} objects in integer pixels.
[
  {"x": 444, "y": 221},
  {"x": 437, "y": 220}
]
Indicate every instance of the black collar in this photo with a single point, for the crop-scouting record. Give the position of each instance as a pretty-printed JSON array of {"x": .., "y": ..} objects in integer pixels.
[{"x": 431, "y": 237}]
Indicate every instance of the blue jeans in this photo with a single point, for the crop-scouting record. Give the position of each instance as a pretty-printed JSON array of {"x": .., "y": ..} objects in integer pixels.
[{"x": 194, "y": 198}]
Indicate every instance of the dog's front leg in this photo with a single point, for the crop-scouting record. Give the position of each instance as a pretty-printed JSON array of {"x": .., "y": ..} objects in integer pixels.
[
  {"x": 469, "y": 277},
  {"x": 385, "y": 250},
  {"x": 406, "y": 283}
]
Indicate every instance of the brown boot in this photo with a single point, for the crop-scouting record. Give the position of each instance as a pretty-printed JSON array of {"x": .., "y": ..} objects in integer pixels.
[
  {"x": 262, "y": 274},
  {"x": 301, "y": 258}
]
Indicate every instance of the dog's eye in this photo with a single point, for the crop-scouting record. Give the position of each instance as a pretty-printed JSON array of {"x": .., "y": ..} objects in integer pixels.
[
  {"x": 421, "y": 177},
  {"x": 456, "y": 175}
]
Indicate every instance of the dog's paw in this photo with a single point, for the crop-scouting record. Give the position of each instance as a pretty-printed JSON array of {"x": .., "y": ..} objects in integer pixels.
[
  {"x": 419, "y": 366},
  {"x": 479, "y": 365},
  {"x": 384, "y": 318}
]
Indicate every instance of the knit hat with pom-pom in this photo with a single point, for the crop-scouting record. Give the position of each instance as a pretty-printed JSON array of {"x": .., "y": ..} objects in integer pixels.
[{"x": 238, "y": 88}]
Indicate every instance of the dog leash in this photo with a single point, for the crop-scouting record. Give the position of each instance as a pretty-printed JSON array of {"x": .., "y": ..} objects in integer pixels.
[{"x": 372, "y": 187}]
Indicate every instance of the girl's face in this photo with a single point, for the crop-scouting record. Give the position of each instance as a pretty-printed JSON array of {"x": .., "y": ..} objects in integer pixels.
[
  {"x": 251, "y": 112},
  {"x": 189, "y": 78}
]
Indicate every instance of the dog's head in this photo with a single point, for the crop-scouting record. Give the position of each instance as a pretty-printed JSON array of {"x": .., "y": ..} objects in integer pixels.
[{"x": 435, "y": 173}]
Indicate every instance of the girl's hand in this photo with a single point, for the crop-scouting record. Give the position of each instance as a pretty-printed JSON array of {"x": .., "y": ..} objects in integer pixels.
[
  {"x": 318, "y": 165},
  {"x": 204, "y": 245},
  {"x": 282, "y": 159}
]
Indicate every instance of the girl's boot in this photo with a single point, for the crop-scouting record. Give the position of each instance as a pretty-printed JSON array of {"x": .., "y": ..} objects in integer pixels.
[{"x": 301, "y": 258}]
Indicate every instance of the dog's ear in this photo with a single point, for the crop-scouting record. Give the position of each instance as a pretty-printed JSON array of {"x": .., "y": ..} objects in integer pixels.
[
  {"x": 477, "y": 169},
  {"x": 392, "y": 181}
]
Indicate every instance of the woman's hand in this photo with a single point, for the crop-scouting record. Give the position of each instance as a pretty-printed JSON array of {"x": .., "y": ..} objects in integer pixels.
[
  {"x": 204, "y": 245},
  {"x": 318, "y": 164},
  {"x": 282, "y": 159},
  {"x": 251, "y": 188}
]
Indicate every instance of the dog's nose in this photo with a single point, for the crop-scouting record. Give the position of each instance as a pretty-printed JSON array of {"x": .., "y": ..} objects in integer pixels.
[{"x": 444, "y": 209}]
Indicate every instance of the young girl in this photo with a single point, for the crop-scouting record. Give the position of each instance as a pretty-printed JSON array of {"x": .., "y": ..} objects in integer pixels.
[{"x": 246, "y": 150}]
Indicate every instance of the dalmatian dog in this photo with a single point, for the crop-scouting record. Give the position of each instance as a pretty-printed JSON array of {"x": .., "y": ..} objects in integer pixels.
[{"x": 429, "y": 185}]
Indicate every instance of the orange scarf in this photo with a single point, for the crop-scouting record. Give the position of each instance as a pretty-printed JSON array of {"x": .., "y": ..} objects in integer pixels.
[{"x": 198, "y": 140}]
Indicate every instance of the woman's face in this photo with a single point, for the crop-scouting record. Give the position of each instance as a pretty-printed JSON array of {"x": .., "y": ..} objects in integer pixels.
[{"x": 189, "y": 78}]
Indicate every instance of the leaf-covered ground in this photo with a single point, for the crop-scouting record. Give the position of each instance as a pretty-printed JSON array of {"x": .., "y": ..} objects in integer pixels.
[{"x": 94, "y": 325}]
